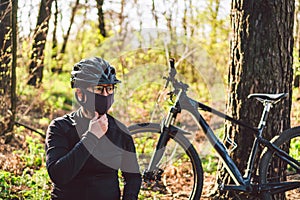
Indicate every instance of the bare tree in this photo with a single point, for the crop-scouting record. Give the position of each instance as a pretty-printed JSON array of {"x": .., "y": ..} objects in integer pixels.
[
  {"x": 59, "y": 67},
  {"x": 54, "y": 53},
  {"x": 37, "y": 57},
  {"x": 8, "y": 49},
  {"x": 6, "y": 122},
  {"x": 13, "y": 96},
  {"x": 261, "y": 62},
  {"x": 66, "y": 37},
  {"x": 5, "y": 43},
  {"x": 101, "y": 24},
  {"x": 154, "y": 13}
]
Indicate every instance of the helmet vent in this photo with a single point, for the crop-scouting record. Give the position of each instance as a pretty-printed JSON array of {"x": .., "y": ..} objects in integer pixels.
[{"x": 93, "y": 71}]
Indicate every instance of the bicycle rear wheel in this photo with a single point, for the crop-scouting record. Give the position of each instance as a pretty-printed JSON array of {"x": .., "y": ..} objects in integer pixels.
[
  {"x": 274, "y": 170},
  {"x": 179, "y": 174}
]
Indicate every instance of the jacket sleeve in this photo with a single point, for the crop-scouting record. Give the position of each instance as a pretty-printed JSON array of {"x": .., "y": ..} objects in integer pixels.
[
  {"x": 132, "y": 186},
  {"x": 130, "y": 171},
  {"x": 62, "y": 163}
]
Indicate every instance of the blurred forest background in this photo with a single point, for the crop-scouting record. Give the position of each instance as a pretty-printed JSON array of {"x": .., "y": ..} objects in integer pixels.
[{"x": 138, "y": 37}]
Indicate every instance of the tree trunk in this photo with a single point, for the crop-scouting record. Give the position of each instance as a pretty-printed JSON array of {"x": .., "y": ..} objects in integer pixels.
[
  {"x": 261, "y": 62},
  {"x": 5, "y": 44},
  {"x": 54, "y": 54},
  {"x": 13, "y": 96},
  {"x": 154, "y": 13},
  {"x": 6, "y": 122},
  {"x": 59, "y": 59},
  {"x": 296, "y": 83},
  {"x": 101, "y": 17},
  {"x": 37, "y": 57},
  {"x": 66, "y": 37}
]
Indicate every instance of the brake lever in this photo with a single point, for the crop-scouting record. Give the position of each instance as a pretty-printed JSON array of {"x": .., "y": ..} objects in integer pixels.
[
  {"x": 167, "y": 82},
  {"x": 171, "y": 94}
]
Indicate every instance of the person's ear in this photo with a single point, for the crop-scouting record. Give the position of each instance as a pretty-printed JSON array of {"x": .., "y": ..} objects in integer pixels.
[{"x": 79, "y": 95}]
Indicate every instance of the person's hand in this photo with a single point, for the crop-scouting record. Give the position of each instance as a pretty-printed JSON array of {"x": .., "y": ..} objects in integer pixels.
[{"x": 98, "y": 126}]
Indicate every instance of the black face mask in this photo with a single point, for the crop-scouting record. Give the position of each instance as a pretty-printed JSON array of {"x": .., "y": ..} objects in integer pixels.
[{"x": 95, "y": 102}]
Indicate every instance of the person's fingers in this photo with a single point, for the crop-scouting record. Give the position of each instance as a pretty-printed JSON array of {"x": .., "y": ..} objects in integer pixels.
[
  {"x": 95, "y": 117},
  {"x": 103, "y": 117},
  {"x": 103, "y": 123}
]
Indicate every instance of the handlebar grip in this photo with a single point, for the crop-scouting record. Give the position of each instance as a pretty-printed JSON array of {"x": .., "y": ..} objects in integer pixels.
[
  {"x": 172, "y": 63},
  {"x": 172, "y": 71}
]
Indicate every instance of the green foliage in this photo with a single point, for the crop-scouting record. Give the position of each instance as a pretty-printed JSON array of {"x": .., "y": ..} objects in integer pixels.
[
  {"x": 295, "y": 146},
  {"x": 38, "y": 184},
  {"x": 34, "y": 156},
  {"x": 296, "y": 62},
  {"x": 5, "y": 182},
  {"x": 210, "y": 163},
  {"x": 34, "y": 182},
  {"x": 29, "y": 185},
  {"x": 141, "y": 62}
]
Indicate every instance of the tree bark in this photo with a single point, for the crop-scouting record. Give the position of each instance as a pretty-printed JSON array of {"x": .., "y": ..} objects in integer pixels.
[
  {"x": 37, "y": 57},
  {"x": 59, "y": 58},
  {"x": 66, "y": 37},
  {"x": 13, "y": 95},
  {"x": 101, "y": 17},
  {"x": 6, "y": 122},
  {"x": 261, "y": 62},
  {"x": 54, "y": 54},
  {"x": 5, "y": 44},
  {"x": 154, "y": 13}
]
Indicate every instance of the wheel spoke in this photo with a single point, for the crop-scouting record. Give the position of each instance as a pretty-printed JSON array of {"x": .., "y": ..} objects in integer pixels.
[
  {"x": 177, "y": 175},
  {"x": 274, "y": 170}
]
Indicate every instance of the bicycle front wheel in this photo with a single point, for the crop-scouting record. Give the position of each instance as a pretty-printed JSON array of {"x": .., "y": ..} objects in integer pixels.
[
  {"x": 179, "y": 173},
  {"x": 275, "y": 170}
]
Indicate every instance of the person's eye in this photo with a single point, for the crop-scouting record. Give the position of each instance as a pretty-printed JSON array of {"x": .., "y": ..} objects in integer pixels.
[{"x": 98, "y": 88}]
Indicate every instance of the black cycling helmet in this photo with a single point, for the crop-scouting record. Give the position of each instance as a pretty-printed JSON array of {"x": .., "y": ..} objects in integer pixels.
[{"x": 92, "y": 71}]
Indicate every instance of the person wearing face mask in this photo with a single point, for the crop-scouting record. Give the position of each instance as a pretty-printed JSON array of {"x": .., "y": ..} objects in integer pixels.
[{"x": 86, "y": 148}]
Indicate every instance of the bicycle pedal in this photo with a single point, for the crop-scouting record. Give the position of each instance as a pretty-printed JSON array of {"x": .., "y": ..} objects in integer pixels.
[{"x": 154, "y": 186}]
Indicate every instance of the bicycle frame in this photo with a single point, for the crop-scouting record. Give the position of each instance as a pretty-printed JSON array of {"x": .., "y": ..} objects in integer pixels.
[
  {"x": 192, "y": 106},
  {"x": 242, "y": 182}
]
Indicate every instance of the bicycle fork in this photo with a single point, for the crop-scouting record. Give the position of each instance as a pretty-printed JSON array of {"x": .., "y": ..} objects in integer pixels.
[{"x": 153, "y": 173}]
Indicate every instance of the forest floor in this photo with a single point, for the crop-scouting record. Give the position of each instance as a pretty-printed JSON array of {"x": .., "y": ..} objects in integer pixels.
[{"x": 10, "y": 161}]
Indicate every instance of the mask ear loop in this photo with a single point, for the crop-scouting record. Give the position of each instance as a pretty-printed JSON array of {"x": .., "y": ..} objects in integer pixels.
[{"x": 83, "y": 99}]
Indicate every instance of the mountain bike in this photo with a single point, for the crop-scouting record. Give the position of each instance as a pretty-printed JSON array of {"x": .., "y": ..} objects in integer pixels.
[{"x": 174, "y": 170}]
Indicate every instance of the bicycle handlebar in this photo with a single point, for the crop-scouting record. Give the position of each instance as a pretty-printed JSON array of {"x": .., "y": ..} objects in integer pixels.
[
  {"x": 172, "y": 62},
  {"x": 171, "y": 78}
]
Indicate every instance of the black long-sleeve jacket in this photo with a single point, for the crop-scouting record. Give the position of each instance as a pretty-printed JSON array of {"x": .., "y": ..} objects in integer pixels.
[{"x": 81, "y": 166}]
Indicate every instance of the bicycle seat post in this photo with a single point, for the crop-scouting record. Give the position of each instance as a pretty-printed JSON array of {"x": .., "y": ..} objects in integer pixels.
[
  {"x": 267, "y": 100},
  {"x": 262, "y": 123}
]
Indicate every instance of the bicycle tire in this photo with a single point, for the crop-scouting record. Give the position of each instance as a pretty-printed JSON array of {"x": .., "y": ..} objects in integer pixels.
[
  {"x": 188, "y": 163},
  {"x": 290, "y": 136}
]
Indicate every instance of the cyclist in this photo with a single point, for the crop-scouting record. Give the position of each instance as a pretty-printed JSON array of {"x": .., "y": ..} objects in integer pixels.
[{"x": 86, "y": 148}]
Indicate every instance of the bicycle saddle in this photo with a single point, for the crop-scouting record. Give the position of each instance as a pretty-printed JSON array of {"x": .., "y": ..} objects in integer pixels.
[{"x": 270, "y": 97}]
